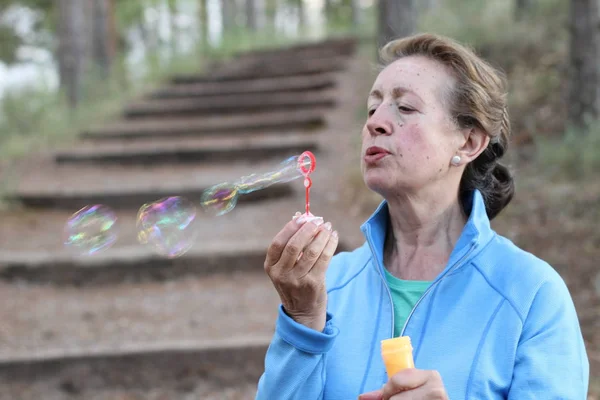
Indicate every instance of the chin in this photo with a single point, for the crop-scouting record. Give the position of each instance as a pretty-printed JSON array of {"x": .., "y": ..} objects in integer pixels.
[{"x": 377, "y": 182}]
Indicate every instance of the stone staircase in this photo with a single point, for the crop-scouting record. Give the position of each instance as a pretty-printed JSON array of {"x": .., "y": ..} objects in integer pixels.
[{"x": 128, "y": 323}]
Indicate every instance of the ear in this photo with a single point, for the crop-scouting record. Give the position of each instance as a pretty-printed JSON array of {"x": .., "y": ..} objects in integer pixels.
[{"x": 476, "y": 141}]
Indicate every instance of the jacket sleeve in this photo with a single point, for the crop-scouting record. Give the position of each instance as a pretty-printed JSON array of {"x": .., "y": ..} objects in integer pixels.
[
  {"x": 551, "y": 361},
  {"x": 296, "y": 360}
]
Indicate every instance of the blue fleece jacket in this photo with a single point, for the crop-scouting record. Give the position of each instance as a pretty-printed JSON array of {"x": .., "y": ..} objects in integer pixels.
[{"x": 497, "y": 323}]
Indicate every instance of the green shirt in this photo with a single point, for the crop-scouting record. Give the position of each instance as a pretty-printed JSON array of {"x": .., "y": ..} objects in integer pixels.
[{"x": 405, "y": 295}]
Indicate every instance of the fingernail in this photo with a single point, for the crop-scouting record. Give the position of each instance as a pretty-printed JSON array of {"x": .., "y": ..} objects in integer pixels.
[
  {"x": 318, "y": 221},
  {"x": 327, "y": 226},
  {"x": 300, "y": 220},
  {"x": 334, "y": 234}
]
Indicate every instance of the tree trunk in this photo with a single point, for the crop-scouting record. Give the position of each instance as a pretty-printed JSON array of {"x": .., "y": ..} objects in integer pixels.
[
  {"x": 203, "y": 20},
  {"x": 251, "y": 15},
  {"x": 72, "y": 54},
  {"x": 355, "y": 12},
  {"x": 328, "y": 9},
  {"x": 584, "y": 58},
  {"x": 103, "y": 40},
  {"x": 301, "y": 11},
  {"x": 271, "y": 14},
  {"x": 228, "y": 11},
  {"x": 173, "y": 30},
  {"x": 522, "y": 7},
  {"x": 396, "y": 19}
]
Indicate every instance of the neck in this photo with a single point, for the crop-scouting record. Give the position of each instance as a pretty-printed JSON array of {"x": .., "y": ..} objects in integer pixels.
[{"x": 422, "y": 232}]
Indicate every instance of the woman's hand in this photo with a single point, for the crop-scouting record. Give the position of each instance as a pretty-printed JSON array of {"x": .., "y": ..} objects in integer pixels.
[
  {"x": 410, "y": 384},
  {"x": 296, "y": 262}
]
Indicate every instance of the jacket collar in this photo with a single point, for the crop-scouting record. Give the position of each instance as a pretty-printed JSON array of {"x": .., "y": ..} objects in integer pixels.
[{"x": 477, "y": 231}]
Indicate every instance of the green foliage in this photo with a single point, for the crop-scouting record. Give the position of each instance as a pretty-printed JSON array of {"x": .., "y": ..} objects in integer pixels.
[
  {"x": 9, "y": 43},
  {"x": 575, "y": 156},
  {"x": 486, "y": 24}
]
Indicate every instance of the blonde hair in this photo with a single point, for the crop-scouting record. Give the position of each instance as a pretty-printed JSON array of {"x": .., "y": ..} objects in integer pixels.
[{"x": 478, "y": 99}]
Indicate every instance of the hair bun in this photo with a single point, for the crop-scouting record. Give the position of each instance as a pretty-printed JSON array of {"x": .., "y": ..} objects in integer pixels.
[{"x": 501, "y": 191}]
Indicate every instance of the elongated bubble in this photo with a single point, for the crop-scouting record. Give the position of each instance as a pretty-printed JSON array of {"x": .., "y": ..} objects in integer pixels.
[
  {"x": 167, "y": 225},
  {"x": 91, "y": 230},
  {"x": 219, "y": 199},
  {"x": 288, "y": 170}
]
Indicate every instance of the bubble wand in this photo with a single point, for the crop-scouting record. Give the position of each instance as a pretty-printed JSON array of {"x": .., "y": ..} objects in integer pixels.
[{"x": 307, "y": 168}]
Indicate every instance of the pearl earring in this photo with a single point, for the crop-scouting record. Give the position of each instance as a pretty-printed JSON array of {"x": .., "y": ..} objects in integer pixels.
[{"x": 455, "y": 160}]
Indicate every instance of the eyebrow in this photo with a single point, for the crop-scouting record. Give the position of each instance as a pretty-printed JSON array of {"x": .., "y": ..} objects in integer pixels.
[{"x": 397, "y": 92}]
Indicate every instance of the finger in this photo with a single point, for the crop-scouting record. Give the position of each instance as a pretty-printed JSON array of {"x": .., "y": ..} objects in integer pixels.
[
  {"x": 280, "y": 241},
  {"x": 426, "y": 391},
  {"x": 375, "y": 395},
  {"x": 296, "y": 244},
  {"x": 320, "y": 266},
  {"x": 313, "y": 251},
  {"x": 404, "y": 380}
]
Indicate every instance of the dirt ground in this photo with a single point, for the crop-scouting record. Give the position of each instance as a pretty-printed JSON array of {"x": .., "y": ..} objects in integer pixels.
[{"x": 556, "y": 220}]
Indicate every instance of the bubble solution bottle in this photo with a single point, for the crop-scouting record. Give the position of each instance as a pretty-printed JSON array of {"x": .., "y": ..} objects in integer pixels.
[{"x": 397, "y": 354}]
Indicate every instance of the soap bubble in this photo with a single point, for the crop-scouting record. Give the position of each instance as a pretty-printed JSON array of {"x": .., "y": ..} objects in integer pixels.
[
  {"x": 220, "y": 199},
  {"x": 167, "y": 225},
  {"x": 90, "y": 230}
]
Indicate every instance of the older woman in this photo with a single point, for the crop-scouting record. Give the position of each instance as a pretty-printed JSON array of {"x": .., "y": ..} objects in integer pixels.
[{"x": 487, "y": 320}]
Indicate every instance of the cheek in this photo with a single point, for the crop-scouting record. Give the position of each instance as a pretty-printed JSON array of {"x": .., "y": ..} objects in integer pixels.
[{"x": 412, "y": 142}]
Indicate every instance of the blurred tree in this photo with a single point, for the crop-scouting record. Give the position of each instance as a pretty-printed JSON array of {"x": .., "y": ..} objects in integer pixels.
[
  {"x": 354, "y": 12},
  {"x": 271, "y": 13},
  {"x": 10, "y": 42},
  {"x": 396, "y": 19},
  {"x": 203, "y": 20},
  {"x": 522, "y": 7},
  {"x": 43, "y": 18},
  {"x": 228, "y": 13},
  {"x": 584, "y": 57},
  {"x": 72, "y": 54},
  {"x": 173, "y": 29},
  {"x": 300, "y": 12},
  {"x": 328, "y": 9},
  {"x": 251, "y": 15},
  {"x": 103, "y": 39}
]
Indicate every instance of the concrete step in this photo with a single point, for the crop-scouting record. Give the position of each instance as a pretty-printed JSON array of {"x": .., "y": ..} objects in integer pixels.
[
  {"x": 339, "y": 46},
  {"x": 296, "y": 53},
  {"x": 47, "y": 321},
  {"x": 256, "y": 69},
  {"x": 299, "y": 83},
  {"x": 265, "y": 122},
  {"x": 205, "y": 332},
  {"x": 240, "y": 103},
  {"x": 44, "y": 184},
  {"x": 217, "y": 151},
  {"x": 217, "y": 370}
]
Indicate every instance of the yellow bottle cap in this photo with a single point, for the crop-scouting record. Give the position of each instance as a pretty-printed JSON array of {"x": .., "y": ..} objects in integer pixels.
[{"x": 401, "y": 343}]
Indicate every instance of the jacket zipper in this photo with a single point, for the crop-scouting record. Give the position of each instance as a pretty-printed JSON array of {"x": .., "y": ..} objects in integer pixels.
[
  {"x": 383, "y": 279},
  {"x": 456, "y": 265}
]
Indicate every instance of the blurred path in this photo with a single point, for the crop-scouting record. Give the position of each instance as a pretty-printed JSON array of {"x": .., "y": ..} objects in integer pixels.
[{"x": 128, "y": 323}]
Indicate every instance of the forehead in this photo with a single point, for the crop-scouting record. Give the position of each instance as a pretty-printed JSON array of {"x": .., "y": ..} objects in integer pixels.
[{"x": 426, "y": 77}]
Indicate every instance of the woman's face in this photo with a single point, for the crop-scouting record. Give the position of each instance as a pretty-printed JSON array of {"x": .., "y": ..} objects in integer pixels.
[{"x": 408, "y": 139}]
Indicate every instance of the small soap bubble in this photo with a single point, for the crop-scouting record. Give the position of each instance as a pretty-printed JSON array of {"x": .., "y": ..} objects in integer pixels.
[
  {"x": 91, "y": 230},
  {"x": 167, "y": 225},
  {"x": 220, "y": 199}
]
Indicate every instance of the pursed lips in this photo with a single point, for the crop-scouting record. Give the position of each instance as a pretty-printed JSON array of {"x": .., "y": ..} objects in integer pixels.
[{"x": 374, "y": 153}]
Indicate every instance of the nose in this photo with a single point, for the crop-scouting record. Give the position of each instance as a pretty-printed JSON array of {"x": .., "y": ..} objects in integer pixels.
[{"x": 378, "y": 124}]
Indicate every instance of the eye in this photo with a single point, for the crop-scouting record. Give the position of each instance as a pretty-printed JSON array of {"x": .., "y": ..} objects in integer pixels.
[
  {"x": 371, "y": 111},
  {"x": 405, "y": 109}
]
